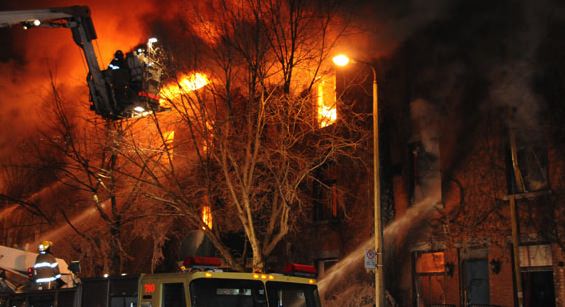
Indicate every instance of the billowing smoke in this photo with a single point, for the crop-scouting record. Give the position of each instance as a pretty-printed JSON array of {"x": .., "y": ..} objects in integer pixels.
[
  {"x": 30, "y": 59},
  {"x": 464, "y": 57},
  {"x": 378, "y": 28},
  {"x": 474, "y": 61},
  {"x": 513, "y": 79}
]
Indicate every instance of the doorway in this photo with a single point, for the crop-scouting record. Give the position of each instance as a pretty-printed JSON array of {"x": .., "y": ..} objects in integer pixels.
[
  {"x": 475, "y": 282},
  {"x": 538, "y": 288}
]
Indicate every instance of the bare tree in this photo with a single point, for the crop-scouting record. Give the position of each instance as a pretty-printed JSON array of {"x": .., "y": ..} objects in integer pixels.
[
  {"x": 21, "y": 209},
  {"x": 253, "y": 134},
  {"x": 98, "y": 181}
]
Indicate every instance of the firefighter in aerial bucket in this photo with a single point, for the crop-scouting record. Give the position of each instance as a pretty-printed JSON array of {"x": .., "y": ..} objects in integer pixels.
[
  {"x": 120, "y": 80},
  {"x": 46, "y": 273},
  {"x": 118, "y": 62}
]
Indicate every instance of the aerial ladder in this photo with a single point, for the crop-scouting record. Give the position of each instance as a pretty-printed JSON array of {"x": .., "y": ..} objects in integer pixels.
[{"x": 111, "y": 97}]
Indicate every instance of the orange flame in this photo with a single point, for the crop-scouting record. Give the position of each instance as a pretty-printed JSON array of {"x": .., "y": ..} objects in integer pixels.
[
  {"x": 326, "y": 103},
  {"x": 185, "y": 84},
  {"x": 207, "y": 216}
]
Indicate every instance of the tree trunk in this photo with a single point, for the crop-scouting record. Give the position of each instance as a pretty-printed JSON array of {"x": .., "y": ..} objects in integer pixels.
[
  {"x": 258, "y": 261},
  {"x": 115, "y": 252}
]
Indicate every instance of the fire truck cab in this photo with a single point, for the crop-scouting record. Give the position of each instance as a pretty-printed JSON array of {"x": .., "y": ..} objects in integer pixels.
[{"x": 206, "y": 286}]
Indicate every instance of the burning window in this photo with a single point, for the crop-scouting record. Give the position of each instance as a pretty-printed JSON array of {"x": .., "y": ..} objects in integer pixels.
[
  {"x": 430, "y": 262},
  {"x": 430, "y": 277},
  {"x": 326, "y": 101},
  {"x": 207, "y": 216}
]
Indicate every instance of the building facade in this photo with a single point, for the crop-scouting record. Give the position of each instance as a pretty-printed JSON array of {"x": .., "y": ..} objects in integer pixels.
[{"x": 473, "y": 208}]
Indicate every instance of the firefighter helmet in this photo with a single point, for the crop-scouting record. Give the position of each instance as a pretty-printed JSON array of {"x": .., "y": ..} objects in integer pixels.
[
  {"x": 45, "y": 246},
  {"x": 119, "y": 55}
]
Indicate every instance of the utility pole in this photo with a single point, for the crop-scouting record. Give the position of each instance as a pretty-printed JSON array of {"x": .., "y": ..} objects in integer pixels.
[
  {"x": 379, "y": 276},
  {"x": 342, "y": 60},
  {"x": 516, "y": 248},
  {"x": 514, "y": 218},
  {"x": 520, "y": 192}
]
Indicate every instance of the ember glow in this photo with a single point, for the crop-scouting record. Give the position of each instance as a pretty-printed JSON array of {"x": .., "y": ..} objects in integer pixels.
[
  {"x": 185, "y": 84},
  {"x": 326, "y": 102},
  {"x": 169, "y": 137},
  {"x": 208, "y": 31}
]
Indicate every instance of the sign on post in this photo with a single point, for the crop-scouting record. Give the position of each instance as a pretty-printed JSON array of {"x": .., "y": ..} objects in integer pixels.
[{"x": 370, "y": 259}]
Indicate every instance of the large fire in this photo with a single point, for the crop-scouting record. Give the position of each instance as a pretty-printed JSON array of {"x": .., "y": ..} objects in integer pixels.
[{"x": 185, "y": 84}]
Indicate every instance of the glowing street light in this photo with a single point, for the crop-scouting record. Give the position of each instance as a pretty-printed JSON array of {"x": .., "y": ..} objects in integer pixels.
[{"x": 343, "y": 60}]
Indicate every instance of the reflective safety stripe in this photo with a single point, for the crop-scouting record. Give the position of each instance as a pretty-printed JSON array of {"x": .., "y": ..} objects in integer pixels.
[
  {"x": 48, "y": 279},
  {"x": 45, "y": 265},
  {"x": 114, "y": 67}
]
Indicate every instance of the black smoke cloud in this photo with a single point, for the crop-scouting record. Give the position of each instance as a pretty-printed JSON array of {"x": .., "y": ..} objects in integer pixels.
[
  {"x": 463, "y": 56},
  {"x": 472, "y": 60}
]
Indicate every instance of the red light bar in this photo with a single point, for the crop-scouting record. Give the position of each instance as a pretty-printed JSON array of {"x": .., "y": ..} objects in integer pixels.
[
  {"x": 300, "y": 270},
  {"x": 148, "y": 288},
  {"x": 148, "y": 95},
  {"x": 202, "y": 261}
]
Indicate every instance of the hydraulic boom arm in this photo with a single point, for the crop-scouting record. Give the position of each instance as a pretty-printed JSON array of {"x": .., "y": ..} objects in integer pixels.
[{"x": 76, "y": 18}]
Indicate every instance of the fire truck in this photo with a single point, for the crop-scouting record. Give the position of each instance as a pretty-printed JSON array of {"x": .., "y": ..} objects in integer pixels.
[
  {"x": 201, "y": 283},
  {"x": 116, "y": 92},
  {"x": 204, "y": 285}
]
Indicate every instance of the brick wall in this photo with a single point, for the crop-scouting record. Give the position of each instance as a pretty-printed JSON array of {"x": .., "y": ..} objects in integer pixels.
[
  {"x": 559, "y": 274},
  {"x": 452, "y": 289},
  {"x": 501, "y": 284}
]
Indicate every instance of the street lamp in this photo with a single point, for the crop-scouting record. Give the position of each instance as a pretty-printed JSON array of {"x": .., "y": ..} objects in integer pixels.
[{"x": 343, "y": 60}]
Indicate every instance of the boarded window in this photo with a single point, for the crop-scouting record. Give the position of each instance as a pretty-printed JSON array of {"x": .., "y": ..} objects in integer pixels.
[{"x": 535, "y": 256}]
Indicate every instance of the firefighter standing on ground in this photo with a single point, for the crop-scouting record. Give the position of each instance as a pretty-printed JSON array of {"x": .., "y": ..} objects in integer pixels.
[{"x": 46, "y": 269}]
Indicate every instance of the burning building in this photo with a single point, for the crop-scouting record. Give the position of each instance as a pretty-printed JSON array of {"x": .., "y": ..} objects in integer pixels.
[
  {"x": 472, "y": 178},
  {"x": 471, "y": 167}
]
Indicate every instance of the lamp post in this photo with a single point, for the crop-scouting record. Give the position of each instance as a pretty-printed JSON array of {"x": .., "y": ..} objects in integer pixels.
[{"x": 343, "y": 60}]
